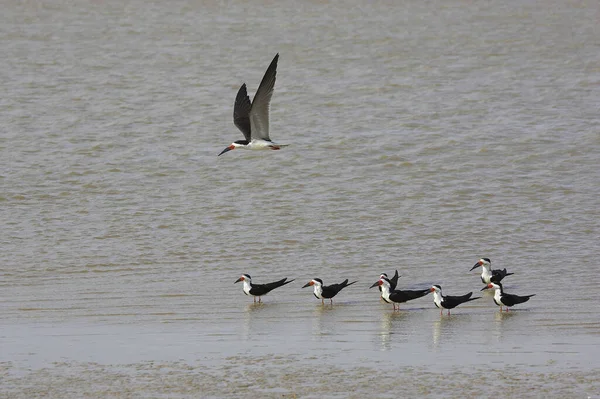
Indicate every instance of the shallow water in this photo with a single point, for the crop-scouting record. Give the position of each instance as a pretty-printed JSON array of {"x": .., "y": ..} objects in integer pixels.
[{"x": 423, "y": 136}]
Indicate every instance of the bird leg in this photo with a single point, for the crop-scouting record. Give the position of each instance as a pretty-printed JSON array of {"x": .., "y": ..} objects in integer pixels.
[
  {"x": 448, "y": 312},
  {"x": 254, "y": 299},
  {"x": 322, "y": 301}
]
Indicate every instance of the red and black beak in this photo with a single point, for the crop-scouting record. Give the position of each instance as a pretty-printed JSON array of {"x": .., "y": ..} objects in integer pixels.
[
  {"x": 378, "y": 282},
  {"x": 231, "y": 147},
  {"x": 486, "y": 287},
  {"x": 476, "y": 266}
]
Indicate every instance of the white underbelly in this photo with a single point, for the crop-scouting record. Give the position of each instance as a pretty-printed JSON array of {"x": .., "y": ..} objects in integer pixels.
[
  {"x": 497, "y": 300},
  {"x": 259, "y": 144}
]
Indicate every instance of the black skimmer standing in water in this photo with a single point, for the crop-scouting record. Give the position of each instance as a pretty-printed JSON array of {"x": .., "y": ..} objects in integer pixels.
[
  {"x": 503, "y": 299},
  {"x": 253, "y": 118},
  {"x": 258, "y": 290},
  {"x": 487, "y": 274},
  {"x": 448, "y": 301},
  {"x": 396, "y": 296},
  {"x": 323, "y": 292},
  {"x": 393, "y": 281}
]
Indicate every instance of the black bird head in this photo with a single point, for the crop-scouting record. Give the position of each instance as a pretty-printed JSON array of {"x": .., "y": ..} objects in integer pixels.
[
  {"x": 244, "y": 277},
  {"x": 481, "y": 262},
  {"x": 381, "y": 281},
  {"x": 233, "y": 146},
  {"x": 313, "y": 282},
  {"x": 492, "y": 285}
]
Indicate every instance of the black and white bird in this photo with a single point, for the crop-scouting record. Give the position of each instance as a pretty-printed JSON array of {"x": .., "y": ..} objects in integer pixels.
[
  {"x": 449, "y": 301},
  {"x": 393, "y": 281},
  {"x": 258, "y": 290},
  {"x": 253, "y": 118},
  {"x": 398, "y": 296},
  {"x": 503, "y": 299},
  {"x": 487, "y": 274},
  {"x": 323, "y": 292}
]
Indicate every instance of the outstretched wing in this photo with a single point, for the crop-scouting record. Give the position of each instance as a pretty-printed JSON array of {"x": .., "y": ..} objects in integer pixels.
[
  {"x": 394, "y": 281},
  {"x": 259, "y": 113},
  {"x": 241, "y": 112}
]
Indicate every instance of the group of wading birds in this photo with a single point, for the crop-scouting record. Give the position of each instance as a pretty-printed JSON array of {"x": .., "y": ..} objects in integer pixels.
[
  {"x": 389, "y": 293},
  {"x": 252, "y": 119}
]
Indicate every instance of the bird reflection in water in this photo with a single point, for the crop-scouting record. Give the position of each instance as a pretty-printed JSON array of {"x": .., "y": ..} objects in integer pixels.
[
  {"x": 500, "y": 320},
  {"x": 393, "y": 323},
  {"x": 438, "y": 326},
  {"x": 251, "y": 323},
  {"x": 323, "y": 321},
  {"x": 446, "y": 328}
]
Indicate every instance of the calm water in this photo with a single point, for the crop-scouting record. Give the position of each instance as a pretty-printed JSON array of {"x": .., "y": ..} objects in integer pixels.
[{"x": 423, "y": 135}]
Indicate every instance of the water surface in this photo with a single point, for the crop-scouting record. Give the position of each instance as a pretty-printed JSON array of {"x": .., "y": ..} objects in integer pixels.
[{"x": 423, "y": 135}]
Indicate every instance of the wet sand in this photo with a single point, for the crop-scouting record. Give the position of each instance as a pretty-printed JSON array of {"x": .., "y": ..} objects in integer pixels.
[{"x": 290, "y": 377}]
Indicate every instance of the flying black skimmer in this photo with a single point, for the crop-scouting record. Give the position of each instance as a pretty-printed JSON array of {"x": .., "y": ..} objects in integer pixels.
[
  {"x": 253, "y": 118},
  {"x": 396, "y": 296},
  {"x": 503, "y": 299},
  {"x": 323, "y": 292},
  {"x": 257, "y": 290},
  {"x": 487, "y": 274},
  {"x": 448, "y": 301}
]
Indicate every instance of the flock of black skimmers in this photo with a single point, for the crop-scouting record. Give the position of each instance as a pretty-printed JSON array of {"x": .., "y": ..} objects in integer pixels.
[
  {"x": 252, "y": 119},
  {"x": 389, "y": 293}
]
